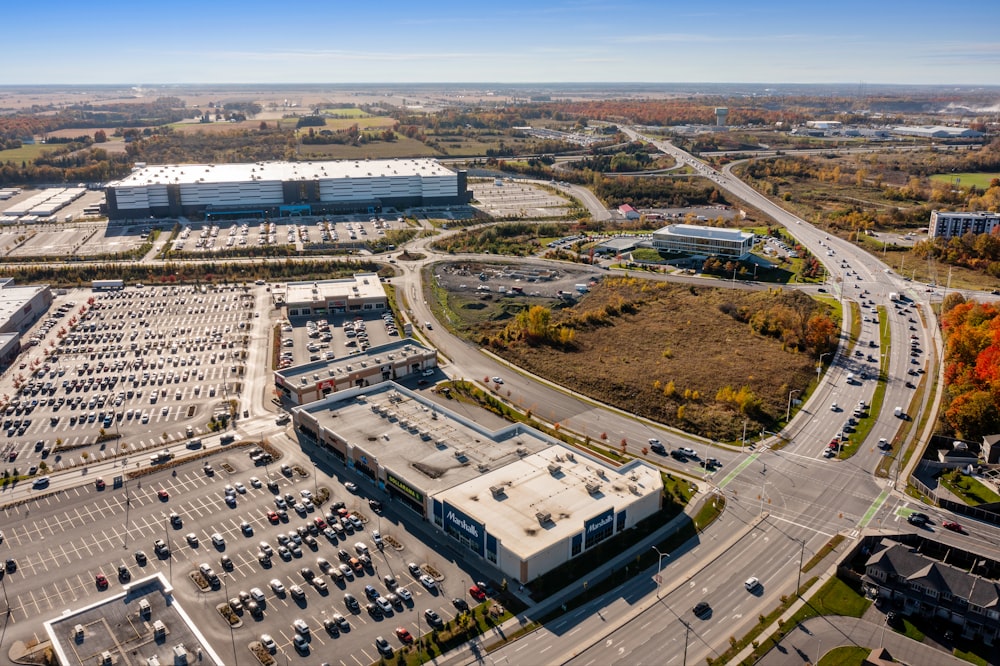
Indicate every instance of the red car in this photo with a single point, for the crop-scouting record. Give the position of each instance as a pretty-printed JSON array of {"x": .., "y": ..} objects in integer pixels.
[
  {"x": 954, "y": 527},
  {"x": 404, "y": 635},
  {"x": 101, "y": 580},
  {"x": 163, "y": 494},
  {"x": 273, "y": 517},
  {"x": 320, "y": 523},
  {"x": 477, "y": 593}
]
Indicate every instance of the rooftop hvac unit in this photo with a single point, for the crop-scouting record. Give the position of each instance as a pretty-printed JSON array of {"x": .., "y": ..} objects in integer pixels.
[
  {"x": 593, "y": 488},
  {"x": 483, "y": 468},
  {"x": 633, "y": 488},
  {"x": 554, "y": 469},
  {"x": 544, "y": 517},
  {"x": 570, "y": 457},
  {"x": 459, "y": 453},
  {"x": 521, "y": 451}
]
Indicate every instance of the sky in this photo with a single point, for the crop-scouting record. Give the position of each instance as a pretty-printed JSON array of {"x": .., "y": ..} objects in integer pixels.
[{"x": 517, "y": 41}]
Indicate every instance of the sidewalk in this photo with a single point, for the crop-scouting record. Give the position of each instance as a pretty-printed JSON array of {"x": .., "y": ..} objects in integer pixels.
[{"x": 819, "y": 635}]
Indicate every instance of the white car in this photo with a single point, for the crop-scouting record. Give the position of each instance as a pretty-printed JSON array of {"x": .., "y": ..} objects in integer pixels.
[
  {"x": 689, "y": 452},
  {"x": 498, "y": 380},
  {"x": 351, "y": 486},
  {"x": 255, "y": 482},
  {"x": 384, "y": 605},
  {"x": 257, "y": 594},
  {"x": 217, "y": 540},
  {"x": 306, "y": 493},
  {"x": 240, "y": 488},
  {"x": 428, "y": 582},
  {"x": 268, "y": 642},
  {"x": 404, "y": 594},
  {"x": 229, "y": 490},
  {"x": 277, "y": 586},
  {"x": 300, "y": 626},
  {"x": 752, "y": 583}
]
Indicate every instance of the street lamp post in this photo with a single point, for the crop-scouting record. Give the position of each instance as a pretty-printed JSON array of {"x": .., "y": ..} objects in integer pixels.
[
  {"x": 659, "y": 569},
  {"x": 819, "y": 366},
  {"x": 788, "y": 409},
  {"x": 232, "y": 635}
]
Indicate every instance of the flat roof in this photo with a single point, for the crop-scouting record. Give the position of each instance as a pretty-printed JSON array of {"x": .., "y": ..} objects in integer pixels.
[
  {"x": 546, "y": 498},
  {"x": 13, "y": 299},
  {"x": 391, "y": 352},
  {"x": 363, "y": 286},
  {"x": 164, "y": 174},
  {"x": 114, "y": 624},
  {"x": 700, "y": 231},
  {"x": 421, "y": 442}
]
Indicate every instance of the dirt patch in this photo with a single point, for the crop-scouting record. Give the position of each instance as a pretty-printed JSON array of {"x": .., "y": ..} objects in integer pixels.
[{"x": 682, "y": 355}]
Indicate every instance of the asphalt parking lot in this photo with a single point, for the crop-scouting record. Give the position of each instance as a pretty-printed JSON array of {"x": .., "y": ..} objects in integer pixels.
[
  {"x": 306, "y": 339},
  {"x": 61, "y": 542},
  {"x": 140, "y": 366},
  {"x": 515, "y": 197}
]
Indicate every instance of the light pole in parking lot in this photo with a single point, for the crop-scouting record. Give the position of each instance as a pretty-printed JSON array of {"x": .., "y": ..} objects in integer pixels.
[{"x": 232, "y": 636}]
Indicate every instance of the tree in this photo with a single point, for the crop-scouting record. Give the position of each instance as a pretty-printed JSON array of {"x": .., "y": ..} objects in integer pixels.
[{"x": 100, "y": 136}]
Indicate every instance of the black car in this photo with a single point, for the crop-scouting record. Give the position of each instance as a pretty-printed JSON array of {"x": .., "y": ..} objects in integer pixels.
[
  {"x": 677, "y": 454},
  {"x": 140, "y": 557},
  {"x": 352, "y": 603},
  {"x": 702, "y": 608},
  {"x": 917, "y": 518},
  {"x": 460, "y": 603},
  {"x": 11, "y": 565},
  {"x": 375, "y": 505},
  {"x": 344, "y": 555}
]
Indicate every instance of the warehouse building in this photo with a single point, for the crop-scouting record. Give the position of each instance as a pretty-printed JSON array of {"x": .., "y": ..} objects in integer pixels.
[
  {"x": 399, "y": 359},
  {"x": 362, "y": 293},
  {"x": 516, "y": 498},
  {"x": 949, "y": 225},
  {"x": 20, "y": 307},
  {"x": 704, "y": 241},
  {"x": 279, "y": 189}
]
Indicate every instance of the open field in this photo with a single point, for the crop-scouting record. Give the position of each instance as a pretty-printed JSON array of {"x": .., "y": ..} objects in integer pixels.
[
  {"x": 980, "y": 180},
  {"x": 644, "y": 345},
  {"x": 401, "y": 147},
  {"x": 25, "y": 153},
  {"x": 363, "y": 122}
]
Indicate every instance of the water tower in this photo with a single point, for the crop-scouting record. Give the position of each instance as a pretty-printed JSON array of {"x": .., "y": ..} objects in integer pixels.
[{"x": 721, "y": 113}]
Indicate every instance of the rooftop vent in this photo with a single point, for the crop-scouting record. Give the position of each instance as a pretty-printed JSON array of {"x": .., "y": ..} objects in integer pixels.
[
  {"x": 554, "y": 469},
  {"x": 544, "y": 517},
  {"x": 570, "y": 457},
  {"x": 498, "y": 491},
  {"x": 632, "y": 488}
]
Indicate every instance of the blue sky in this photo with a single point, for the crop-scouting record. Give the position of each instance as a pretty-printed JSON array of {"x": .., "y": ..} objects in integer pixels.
[{"x": 518, "y": 41}]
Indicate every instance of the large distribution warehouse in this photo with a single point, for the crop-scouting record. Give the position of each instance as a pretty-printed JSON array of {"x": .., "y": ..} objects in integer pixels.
[
  {"x": 520, "y": 500},
  {"x": 277, "y": 189}
]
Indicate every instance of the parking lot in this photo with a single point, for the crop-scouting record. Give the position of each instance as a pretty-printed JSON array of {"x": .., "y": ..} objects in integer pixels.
[
  {"x": 137, "y": 367},
  {"x": 61, "y": 542},
  {"x": 303, "y": 233},
  {"x": 517, "y": 198},
  {"x": 334, "y": 336}
]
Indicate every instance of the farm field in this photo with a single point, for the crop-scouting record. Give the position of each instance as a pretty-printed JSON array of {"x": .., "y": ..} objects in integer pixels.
[{"x": 979, "y": 180}]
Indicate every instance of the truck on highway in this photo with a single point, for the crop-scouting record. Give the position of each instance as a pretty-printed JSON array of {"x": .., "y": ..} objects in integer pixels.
[
  {"x": 159, "y": 457},
  {"x": 893, "y": 297}
]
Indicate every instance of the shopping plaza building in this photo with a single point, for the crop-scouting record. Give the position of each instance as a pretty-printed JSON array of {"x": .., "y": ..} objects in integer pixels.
[{"x": 524, "y": 502}]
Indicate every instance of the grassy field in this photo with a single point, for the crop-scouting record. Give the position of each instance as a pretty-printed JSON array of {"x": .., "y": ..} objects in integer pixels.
[
  {"x": 980, "y": 180},
  {"x": 25, "y": 153},
  {"x": 401, "y": 147},
  {"x": 363, "y": 122},
  {"x": 651, "y": 358},
  {"x": 346, "y": 113}
]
